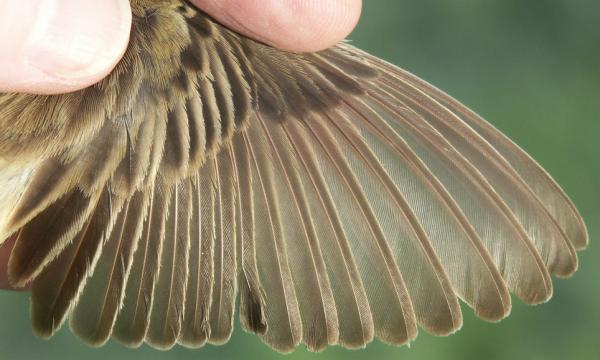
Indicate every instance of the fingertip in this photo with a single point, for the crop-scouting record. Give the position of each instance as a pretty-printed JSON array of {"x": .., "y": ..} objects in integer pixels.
[
  {"x": 58, "y": 46},
  {"x": 293, "y": 25}
]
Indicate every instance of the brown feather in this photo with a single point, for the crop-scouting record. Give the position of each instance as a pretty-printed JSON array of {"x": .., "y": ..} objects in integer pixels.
[{"x": 341, "y": 197}]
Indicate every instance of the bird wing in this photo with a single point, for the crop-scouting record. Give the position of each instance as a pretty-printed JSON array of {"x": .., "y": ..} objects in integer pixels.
[{"x": 334, "y": 196}]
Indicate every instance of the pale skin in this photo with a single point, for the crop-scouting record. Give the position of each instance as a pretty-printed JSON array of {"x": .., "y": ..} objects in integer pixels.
[{"x": 45, "y": 49}]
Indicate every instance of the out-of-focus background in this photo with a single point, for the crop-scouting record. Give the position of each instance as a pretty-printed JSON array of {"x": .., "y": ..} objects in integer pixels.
[{"x": 532, "y": 68}]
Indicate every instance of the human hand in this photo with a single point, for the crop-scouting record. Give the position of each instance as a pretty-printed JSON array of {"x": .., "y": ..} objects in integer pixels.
[{"x": 57, "y": 46}]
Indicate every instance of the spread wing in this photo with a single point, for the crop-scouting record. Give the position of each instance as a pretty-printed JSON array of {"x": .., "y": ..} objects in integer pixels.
[{"x": 338, "y": 197}]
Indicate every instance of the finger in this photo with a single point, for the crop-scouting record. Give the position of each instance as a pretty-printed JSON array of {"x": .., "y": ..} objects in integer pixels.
[
  {"x": 56, "y": 46},
  {"x": 294, "y": 25}
]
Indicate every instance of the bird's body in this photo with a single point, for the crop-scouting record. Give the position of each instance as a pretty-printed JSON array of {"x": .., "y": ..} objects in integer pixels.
[{"x": 338, "y": 197}]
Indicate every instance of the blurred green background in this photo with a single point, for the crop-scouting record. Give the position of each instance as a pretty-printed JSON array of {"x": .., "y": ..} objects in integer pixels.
[{"x": 532, "y": 68}]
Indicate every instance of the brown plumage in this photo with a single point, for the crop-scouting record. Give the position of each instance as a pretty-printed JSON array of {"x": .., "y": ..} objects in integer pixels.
[{"x": 339, "y": 196}]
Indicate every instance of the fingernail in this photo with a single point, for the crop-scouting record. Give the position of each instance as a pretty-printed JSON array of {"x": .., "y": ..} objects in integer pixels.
[{"x": 75, "y": 43}]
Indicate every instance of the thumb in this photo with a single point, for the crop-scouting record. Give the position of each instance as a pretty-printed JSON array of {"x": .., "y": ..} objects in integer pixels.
[{"x": 56, "y": 46}]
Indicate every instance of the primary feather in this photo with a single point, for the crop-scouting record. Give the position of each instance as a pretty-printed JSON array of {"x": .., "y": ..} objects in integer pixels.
[{"x": 339, "y": 196}]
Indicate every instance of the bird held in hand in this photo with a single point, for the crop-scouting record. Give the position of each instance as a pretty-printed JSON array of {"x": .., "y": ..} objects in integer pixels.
[{"x": 335, "y": 197}]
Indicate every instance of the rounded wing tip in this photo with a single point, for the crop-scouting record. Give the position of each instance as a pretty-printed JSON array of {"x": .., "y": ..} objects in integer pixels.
[
  {"x": 584, "y": 241},
  {"x": 539, "y": 298},
  {"x": 445, "y": 329},
  {"x": 43, "y": 329},
  {"x": 127, "y": 339},
  {"x": 283, "y": 347},
  {"x": 191, "y": 343},
  {"x": 96, "y": 339},
  {"x": 494, "y": 316},
  {"x": 19, "y": 279},
  {"x": 569, "y": 270},
  {"x": 161, "y": 344}
]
